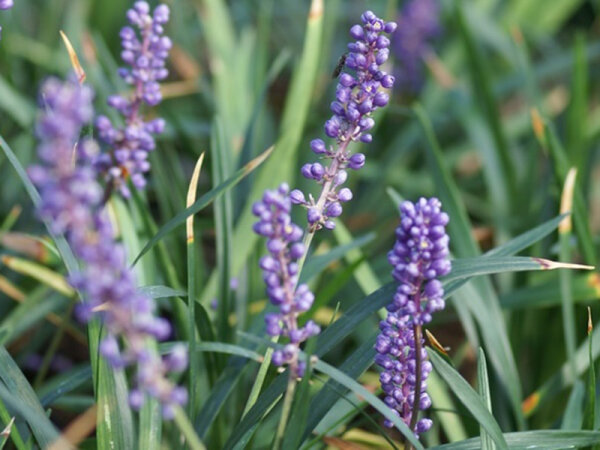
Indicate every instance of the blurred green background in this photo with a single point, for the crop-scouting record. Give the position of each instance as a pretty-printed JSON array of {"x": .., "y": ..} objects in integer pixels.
[{"x": 495, "y": 63}]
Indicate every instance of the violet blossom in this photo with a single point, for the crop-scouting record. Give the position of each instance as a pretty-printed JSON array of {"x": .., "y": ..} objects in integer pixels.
[
  {"x": 358, "y": 95},
  {"x": 71, "y": 202},
  {"x": 145, "y": 52},
  {"x": 419, "y": 25},
  {"x": 419, "y": 258}
]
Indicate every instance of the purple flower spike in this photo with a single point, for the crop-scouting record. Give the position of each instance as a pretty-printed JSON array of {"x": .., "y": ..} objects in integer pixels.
[
  {"x": 145, "y": 52},
  {"x": 71, "y": 202},
  {"x": 419, "y": 25},
  {"x": 280, "y": 273},
  {"x": 419, "y": 257},
  {"x": 359, "y": 93}
]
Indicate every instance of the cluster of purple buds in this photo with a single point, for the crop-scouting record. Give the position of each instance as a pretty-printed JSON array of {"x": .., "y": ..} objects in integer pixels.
[
  {"x": 419, "y": 257},
  {"x": 280, "y": 273},
  {"x": 357, "y": 96},
  {"x": 145, "y": 53},
  {"x": 71, "y": 202},
  {"x": 419, "y": 25},
  {"x": 5, "y": 4}
]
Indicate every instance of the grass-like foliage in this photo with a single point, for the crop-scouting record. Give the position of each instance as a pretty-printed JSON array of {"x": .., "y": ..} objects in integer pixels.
[{"x": 299, "y": 224}]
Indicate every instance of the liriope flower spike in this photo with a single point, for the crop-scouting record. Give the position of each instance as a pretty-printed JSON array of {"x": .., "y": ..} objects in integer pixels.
[
  {"x": 145, "y": 52},
  {"x": 419, "y": 25},
  {"x": 358, "y": 94},
  {"x": 419, "y": 258},
  {"x": 280, "y": 273},
  {"x": 71, "y": 202}
]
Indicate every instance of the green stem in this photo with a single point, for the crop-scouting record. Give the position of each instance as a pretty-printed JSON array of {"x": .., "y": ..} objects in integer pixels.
[
  {"x": 418, "y": 379},
  {"x": 186, "y": 428},
  {"x": 286, "y": 409},
  {"x": 52, "y": 348}
]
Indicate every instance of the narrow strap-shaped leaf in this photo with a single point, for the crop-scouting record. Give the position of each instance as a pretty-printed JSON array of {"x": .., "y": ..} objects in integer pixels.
[
  {"x": 470, "y": 399},
  {"x": 44, "y": 431},
  {"x": 191, "y": 281},
  {"x": 317, "y": 264},
  {"x": 15, "y": 382},
  {"x": 573, "y": 416},
  {"x": 359, "y": 361},
  {"x": 161, "y": 292},
  {"x": 375, "y": 402},
  {"x": 580, "y": 213},
  {"x": 483, "y": 386},
  {"x": 590, "y": 406},
  {"x": 526, "y": 440},
  {"x": 481, "y": 82},
  {"x": 203, "y": 201},
  {"x": 223, "y": 214}
]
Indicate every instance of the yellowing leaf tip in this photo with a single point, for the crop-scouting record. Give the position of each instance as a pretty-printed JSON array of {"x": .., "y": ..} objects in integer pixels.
[{"x": 79, "y": 72}]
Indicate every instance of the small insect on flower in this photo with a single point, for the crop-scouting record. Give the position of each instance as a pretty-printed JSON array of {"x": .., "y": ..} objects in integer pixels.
[{"x": 339, "y": 66}]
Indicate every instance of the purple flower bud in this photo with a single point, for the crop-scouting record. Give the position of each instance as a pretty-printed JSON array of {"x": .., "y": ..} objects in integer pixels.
[
  {"x": 390, "y": 27},
  {"x": 297, "y": 250},
  {"x": 136, "y": 399},
  {"x": 347, "y": 80},
  {"x": 297, "y": 197},
  {"x": 177, "y": 360},
  {"x": 313, "y": 215},
  {"x": 356, "y": 161},
  {"x": 366, "y": 138},
  {"x": 332, "y": 127},
  {"x": 334, "y": 210},
  {"x": 317, "y": 171},
  {"x": 340, "y": 178},
  {"x": 387, "y": 81},
  {"x": 356, "y": 32},
  {"x": 345, "y": 195},
  {"x": 382, "y": 42},
  {"x": 318, "y": 146},
  {"x": 306, "y": 171},
  {"x": 381, "y": 99}
]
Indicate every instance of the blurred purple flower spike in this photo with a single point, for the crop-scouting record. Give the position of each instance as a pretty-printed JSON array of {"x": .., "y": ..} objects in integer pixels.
[
  {"x": 418, "y": 26},
  {"x": 145, "y": 52},
  {"x": 71, "y": 202}
]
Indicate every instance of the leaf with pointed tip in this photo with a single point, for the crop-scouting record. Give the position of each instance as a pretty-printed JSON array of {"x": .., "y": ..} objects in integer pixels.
[
  {"x": 161, "y": 292},
  {"x": 470, "y": 399},
  {"x": 203, "y": 201},
  {"x": 539, "y": 439}
]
